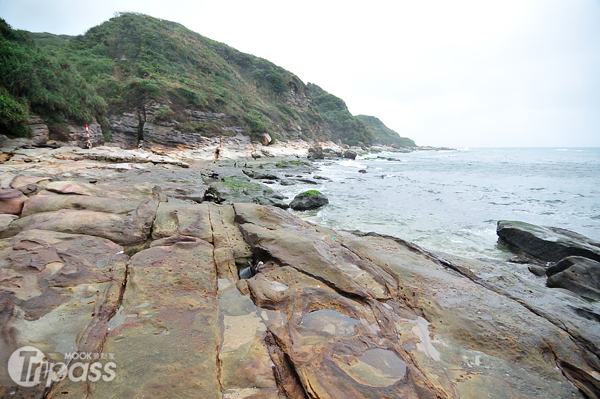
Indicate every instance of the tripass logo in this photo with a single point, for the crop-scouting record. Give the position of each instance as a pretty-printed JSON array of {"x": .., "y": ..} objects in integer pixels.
[{"x": 28, "y": 367}]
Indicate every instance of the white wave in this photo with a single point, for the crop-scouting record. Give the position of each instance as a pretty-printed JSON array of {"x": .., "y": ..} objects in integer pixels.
[{"x": 352, "y": 163}]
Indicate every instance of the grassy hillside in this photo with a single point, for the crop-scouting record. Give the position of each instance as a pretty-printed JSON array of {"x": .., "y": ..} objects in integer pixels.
[
  {"x": 343, "y": 124},
  {"x": 32, "y": 80},
  {"x": 134, "y": 61},
  {"x": 385, "y": 135},
  {"x": 161, "y": 71}
]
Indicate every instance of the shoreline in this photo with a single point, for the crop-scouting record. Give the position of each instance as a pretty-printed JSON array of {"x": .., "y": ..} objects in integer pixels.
[{"x": 130, "y": 254}]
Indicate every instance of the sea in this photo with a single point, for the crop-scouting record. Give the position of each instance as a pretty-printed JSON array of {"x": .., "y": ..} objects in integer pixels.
[{"x": 451, "y": 201}]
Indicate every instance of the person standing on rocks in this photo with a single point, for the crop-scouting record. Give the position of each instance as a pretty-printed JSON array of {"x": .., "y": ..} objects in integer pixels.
[{"x": 218, "y": 150}]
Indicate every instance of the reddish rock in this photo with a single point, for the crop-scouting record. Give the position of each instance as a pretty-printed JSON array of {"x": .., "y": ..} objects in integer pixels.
[{"x": 11, "y": 201}]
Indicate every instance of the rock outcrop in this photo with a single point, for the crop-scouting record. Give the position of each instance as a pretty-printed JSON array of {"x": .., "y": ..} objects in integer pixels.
[
  {"x": 308, "y": 200},
  {"x": 576, "y": 274},
  {"x": 550, "y": 244},
  {"x": 148, "y": 286}
]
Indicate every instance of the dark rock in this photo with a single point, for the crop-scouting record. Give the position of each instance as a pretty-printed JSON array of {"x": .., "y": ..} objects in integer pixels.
[
  {"x": 316, "y": 152},
  {"x": 549, "y": 244},
  {"x": 266, "y": 176},
  {"x": 362, "y": 171},
  {"x": 307, "y": 200},
  {"x": 271, "y": 201},
  {"x": 537, "y": 270},
  {"x": 576, "y": 274},
  {"x": 307, "y": 181},
  {"x": 350, "y": 154}
]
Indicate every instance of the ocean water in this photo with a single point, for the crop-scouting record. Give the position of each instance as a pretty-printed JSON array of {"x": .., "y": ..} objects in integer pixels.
[{"x": 450, "y": 201}]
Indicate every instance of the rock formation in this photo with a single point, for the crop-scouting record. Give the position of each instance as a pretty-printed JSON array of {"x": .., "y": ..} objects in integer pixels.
[
  {"x": 112, "y": 263},
  {"x": 311, "y": 199}
]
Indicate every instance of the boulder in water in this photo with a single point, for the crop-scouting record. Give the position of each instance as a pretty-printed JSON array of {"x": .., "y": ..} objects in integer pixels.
[
  {"x": 550, "y": 244},
  {"x": 350, "y": 154},
  {"x": 311, "y": 199}
]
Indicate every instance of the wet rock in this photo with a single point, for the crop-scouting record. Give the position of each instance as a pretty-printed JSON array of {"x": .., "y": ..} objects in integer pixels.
[
  {"x": 308, "y": 200},
  {"x": 287, "y": 182},
  {"x": 260, "y": 175},
  {"x": 350, "y": 154},
  {"x": 546, "y": 243},
  {"x": 271, "y": 201},
  {"x": 11, "y": 201},
  {"x": 307, "y": 181},
  {"x": 576, "y": 274},
  {"x": 537, "y": 270},
  {"x": 362, "y": 171}
]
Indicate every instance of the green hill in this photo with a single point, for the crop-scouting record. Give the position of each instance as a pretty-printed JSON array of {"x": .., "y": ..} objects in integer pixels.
[
  {"x": 160, "y": 75},
  {"x": 385, "y": 135},
  {"x": 344, "y": 126},
  {"x": 44, "y": 83}
]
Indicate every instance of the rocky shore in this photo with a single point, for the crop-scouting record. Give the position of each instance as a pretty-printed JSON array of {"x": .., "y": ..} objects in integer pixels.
[{"x": 134, "y": 256}]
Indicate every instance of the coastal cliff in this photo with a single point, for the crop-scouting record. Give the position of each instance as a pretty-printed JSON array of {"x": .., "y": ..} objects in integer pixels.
[{"x": 145, "y": 81}]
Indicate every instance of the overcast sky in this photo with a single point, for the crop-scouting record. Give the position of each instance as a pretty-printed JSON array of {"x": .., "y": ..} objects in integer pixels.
[{"x": 444, "y": 73}]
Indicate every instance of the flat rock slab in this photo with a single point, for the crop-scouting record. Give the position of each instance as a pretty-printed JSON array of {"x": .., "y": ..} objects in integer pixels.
[
  {"x": 549, "y": 244},
  {"x": 185, "y": 219},
  {"x": 50, "y": 203},
  {"x": 57, "y": 293},
  {"x": 131, "y": 228},
  {"x": 164, "y": 336}
]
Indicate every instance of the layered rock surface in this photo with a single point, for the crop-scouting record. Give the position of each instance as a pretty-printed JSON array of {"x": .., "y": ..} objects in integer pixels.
[{"x": 151, "y": 281}]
